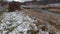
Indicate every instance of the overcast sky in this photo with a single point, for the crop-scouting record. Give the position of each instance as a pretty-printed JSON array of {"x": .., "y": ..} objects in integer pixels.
[{"x": 19, "y": 0}]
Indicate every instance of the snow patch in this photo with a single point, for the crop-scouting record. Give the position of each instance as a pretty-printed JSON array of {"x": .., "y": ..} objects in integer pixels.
[{"x": 16, "y": 22}]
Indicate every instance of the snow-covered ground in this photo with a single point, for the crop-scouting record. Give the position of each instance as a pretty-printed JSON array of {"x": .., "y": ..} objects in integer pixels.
[{"x": 16, "y": 22}]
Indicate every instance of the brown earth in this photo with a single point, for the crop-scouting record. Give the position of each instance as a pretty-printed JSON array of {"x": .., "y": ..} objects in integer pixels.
[
  {"x": 50, "y": 8},
  {"x": 50, "y": 22},
  {"x": 54, "y": 10}
]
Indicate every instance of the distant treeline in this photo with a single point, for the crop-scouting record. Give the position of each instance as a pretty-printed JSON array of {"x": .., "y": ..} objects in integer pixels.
[
  {"x": 38, "y": 2},
  {"x": 48, "y": 1}
]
